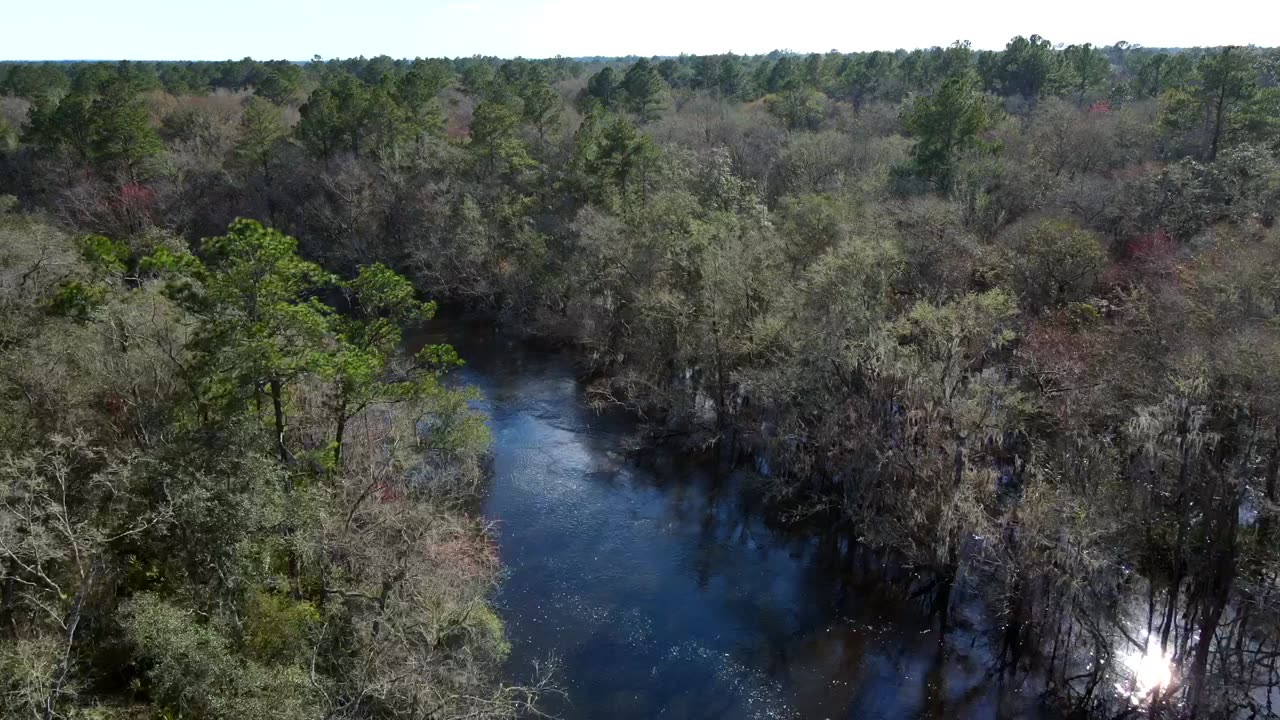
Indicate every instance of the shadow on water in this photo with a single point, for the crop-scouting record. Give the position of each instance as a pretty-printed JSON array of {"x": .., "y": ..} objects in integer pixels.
[{"x": 663, "y": 591}]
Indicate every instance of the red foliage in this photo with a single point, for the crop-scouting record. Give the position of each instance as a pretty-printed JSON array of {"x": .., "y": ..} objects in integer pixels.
[
  {"x": 1146, "y": 258},
  {"x": 136, "y": 194},
  {"x": 386, "y": 492},
  {"x": 115, "y": 405},
  {"x": 1154, "y": 246},
  {"x": 1101, "y": 106},
  {"x": 132, "y": 205}
]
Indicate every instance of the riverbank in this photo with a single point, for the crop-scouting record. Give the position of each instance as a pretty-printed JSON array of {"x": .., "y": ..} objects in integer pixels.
[{"x": 666, "y": 587}]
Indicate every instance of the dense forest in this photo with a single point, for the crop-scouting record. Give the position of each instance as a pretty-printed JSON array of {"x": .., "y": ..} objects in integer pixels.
[{"x": 1008, "y": 320}]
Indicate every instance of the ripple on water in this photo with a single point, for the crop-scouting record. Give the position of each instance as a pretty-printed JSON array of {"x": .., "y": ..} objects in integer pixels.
[{"x": 735, "y": 690}]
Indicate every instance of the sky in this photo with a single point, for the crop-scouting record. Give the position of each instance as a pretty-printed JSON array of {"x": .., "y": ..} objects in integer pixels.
[{"x": 295, "y": 30}]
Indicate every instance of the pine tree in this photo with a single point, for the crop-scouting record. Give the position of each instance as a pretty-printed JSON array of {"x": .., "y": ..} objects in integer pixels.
[{"x": 643, "y": 86}]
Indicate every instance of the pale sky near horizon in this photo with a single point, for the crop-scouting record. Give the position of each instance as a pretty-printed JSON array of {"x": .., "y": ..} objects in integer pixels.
[{"x": 293, "y": 30}]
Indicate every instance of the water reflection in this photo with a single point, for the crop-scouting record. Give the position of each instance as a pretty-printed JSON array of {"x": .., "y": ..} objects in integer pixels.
[
  {"x": 1149, "y": 670},
  {"x": 664, "y": 592}
]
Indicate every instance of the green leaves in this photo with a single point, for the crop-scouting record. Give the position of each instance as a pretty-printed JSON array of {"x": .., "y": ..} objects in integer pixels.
[
  {"x": 77, "y": 299},
  {"x": 944, "y": 123},
  {"x": 960, "y": 333},
  {"x": 380, "y": 291},
  {"x": 495, "y": 138},
  {"x": 611, "y": 154},
  {"x": 799, "y": 108},
  {"x": 105, "y": 254},
  {"x": 154, "y": 530},
  {"x": 643, "y": 87},
  {"x": 603, "y": 86},
  {"x": 1028, "y": 67},
  {"x": 122, "y": 136},
  {"x": 440, "y": 358},
  {"x": 1051, "y": 263},
  {"x": 106, "y": 125},
  {"x": 1224, "y": 107},
  {"x": 1086, "y": 67},
  {"x": 194, "y": 669},
  {"x": 262, "y": 127}
]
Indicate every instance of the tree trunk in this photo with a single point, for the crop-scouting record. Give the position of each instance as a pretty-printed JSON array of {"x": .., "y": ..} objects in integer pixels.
[
  {"x": 69, "y": 638},
  {"x": 9, "y": 598},
  {"x": 1220, "y": 109},
  {"x": 277, "y": 406},
  {"x": 720, "y": 384},
  {"x": 1216, "y": 597},
  {"x": 337, "y": 438}
]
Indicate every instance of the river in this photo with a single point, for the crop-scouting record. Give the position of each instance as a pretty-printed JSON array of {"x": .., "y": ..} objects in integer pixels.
[{"x": 661, "y": 589}]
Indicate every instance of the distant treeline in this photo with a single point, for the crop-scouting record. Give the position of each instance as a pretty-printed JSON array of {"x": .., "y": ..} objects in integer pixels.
[{"x": 1026, "y": 67}]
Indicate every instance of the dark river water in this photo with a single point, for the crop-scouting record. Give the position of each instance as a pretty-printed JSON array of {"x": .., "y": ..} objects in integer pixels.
[{"x": 662, "y": 591}]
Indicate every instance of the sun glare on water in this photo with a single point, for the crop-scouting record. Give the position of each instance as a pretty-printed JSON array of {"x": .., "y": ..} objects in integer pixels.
[{"x": 1150, "y": 671}]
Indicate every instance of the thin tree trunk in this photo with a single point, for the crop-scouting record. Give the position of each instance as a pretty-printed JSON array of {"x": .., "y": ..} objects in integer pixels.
[
  {"x": 337, "y": 438},
  {"x": 1218, "y": 595},
  {"x": 277, "y": 406},
  {"x": 69, "y": 638}
]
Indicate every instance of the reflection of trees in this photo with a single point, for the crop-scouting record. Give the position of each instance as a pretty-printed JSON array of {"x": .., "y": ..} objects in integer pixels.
[{"x": 781, "y": 590}]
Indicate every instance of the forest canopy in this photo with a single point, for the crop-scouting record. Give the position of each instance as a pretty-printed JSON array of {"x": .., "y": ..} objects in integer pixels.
[{"x": 1011, "y": 318}]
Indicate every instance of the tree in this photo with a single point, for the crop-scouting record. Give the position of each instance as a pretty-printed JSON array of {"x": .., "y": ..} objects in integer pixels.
[
  {"x": 1222, "y": 108},
  {"x": 1052, "y": 263},
  {"x": 346, "y": 114},
  {"x": 1087, "y": 67},
  {"x": 799, "y": 108},
  {"x": 676, "y": 74},
  {"x": 64, "y": 509},
  {"x": 643, "y": 87},
  {"x": 958, "y": 411},
  {"x": 478, "y": 77},
  {"x": 495, "y": 139},
  {"x": 260, "y": 327},
  {"x": 541, "y": 105},
  {"x": 111, "y": 131},
  {"x": 604, "y": 86},
  {"x": 731, "y": 77},
  {"x": 1158, "y": 72},
  {"x": 335, "y": 116},
  {"x": 944, "y": 123},
  {"x": 416, "y": 91},
  {"x": 278, "y": 81},
  {"x": 8, "y": 136},
  {"x": 262, "y": 128},
  {"x": 35, "y": 80},
  {"x": 65, "y": 125},
  {"x": 862, "y": 77},
  {"x": 141, "y": 544},
  {"x": 423, "y": 82},
  {"x": 609, "y": 155},
  {"x": 783, "y": 75},
  {"x": 361, "y": 371},
  {"x": 1028, "y": 67}
]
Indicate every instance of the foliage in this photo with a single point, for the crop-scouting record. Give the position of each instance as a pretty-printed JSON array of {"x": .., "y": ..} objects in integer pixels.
[
  {"x": 163, "y": 557},
  {"x": 109, "y": 127},
  {"x": 1004, "y": 317},
  {"x": 945, "y": 123}
]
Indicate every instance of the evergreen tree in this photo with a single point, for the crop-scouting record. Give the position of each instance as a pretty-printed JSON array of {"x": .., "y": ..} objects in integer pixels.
[
  {"x": 944, "y": 123},
  {"x": 604, "y": 87},
  {"x": 643, "y": 87},
  {"x": 1224, "y": 107}
]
